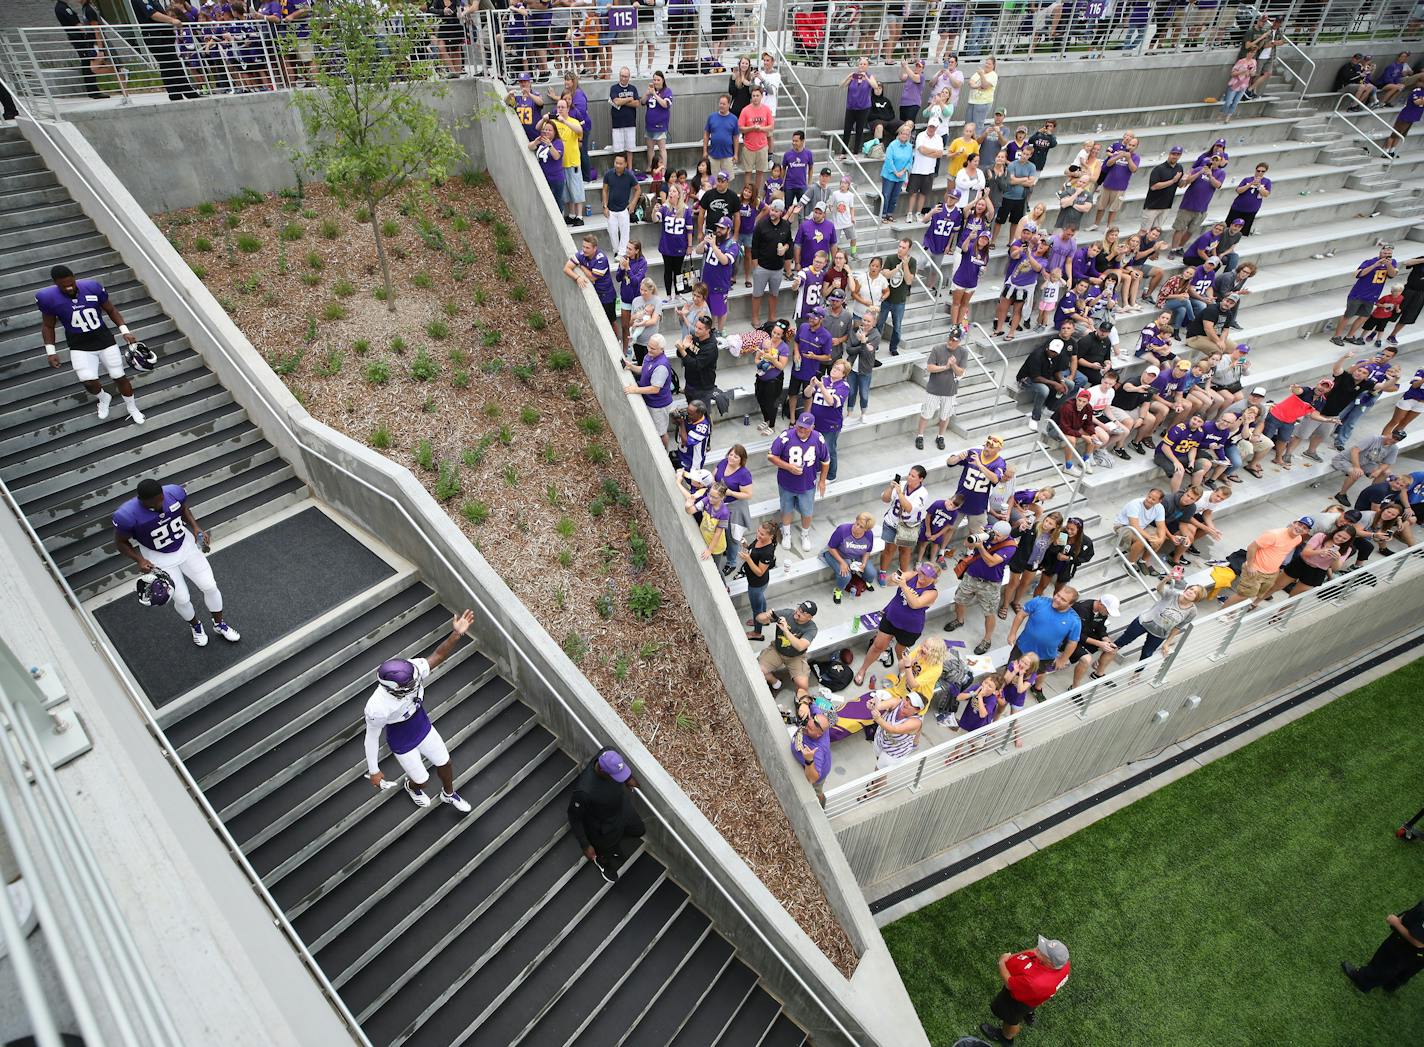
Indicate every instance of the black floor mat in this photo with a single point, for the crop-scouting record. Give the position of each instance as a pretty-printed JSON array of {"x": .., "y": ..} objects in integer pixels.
[{"x": 272, "y": 582}]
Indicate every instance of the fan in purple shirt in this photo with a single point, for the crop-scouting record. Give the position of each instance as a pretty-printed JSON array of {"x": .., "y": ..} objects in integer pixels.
[
  {"x": 801, "y": 446},
  {"x": 939, "y": 232},
  {"x": 937, "y": 526},
  {"x": 978, "y": 478},
  {"x": 814, "y": 234},
  {"x": 797, "y": 167},
  {"x": 718, "y": 269}
]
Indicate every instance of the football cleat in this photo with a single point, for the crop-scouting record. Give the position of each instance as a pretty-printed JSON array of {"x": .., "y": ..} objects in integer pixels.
[
  {"x": 416, "y": 794},
  {"x": 104, "y": 400},
  {"x": 200, "y": 637},
  {"x": 227, "y": 632},
  {"x": 135, "y": 415},
  {"x": 456, "y": 801},
  {"x": 155, "y": 590},
  {"x": 140, "y": 357}
]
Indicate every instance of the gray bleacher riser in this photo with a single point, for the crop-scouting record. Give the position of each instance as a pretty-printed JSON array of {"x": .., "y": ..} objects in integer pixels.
[{"x": 55, "y": 387}]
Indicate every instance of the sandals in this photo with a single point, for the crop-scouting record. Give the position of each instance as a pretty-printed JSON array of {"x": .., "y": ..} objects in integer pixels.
[
  {"x": 1003, "y": 614},
  {"x": 1234, "y": 479},
  {"x": 982, "y": 647}
]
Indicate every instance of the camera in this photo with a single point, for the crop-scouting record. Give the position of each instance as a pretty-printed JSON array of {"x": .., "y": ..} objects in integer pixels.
[
  {"x": 979, "y": 538},
  {"x": 678, "y": 414}
]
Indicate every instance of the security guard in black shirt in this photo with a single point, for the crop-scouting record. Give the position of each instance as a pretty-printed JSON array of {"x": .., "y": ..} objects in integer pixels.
[{"x": 1399, "y": 958}]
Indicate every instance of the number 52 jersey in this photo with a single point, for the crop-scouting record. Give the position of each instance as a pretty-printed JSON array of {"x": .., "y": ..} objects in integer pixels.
[{"x": 82, "y": 316}]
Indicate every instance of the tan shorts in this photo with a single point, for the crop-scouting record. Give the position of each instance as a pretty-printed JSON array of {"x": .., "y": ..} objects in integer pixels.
[
  {"x": 1188, "y": 221},
  {"x": 773, "y": 661},
  {"x": 1253, "y": 584},
  {"x": 753, "y": 159},
  {"x": 1110, "y": 200},
  {"x": 724, "y": 164},
  {"x": 1200, "y": 343},
  {"x": 1155, "y": 219}
]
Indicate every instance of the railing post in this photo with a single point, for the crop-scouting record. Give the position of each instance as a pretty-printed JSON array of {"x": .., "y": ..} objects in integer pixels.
[
  {"x": 825, "y": 43},
  {"x": 39, "y": 74},
  {"x": 919, "y": 774},
  {"x": 1171, "y": 657}
]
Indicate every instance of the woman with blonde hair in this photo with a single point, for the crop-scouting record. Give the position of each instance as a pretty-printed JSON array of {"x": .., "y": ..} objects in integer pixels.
[{"x": 1020, "y": 677}]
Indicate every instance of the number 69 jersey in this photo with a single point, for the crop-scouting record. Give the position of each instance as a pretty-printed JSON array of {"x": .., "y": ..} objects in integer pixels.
[
  {"x": 82, "y": 316},
  {"x": 160, "y": 531}
]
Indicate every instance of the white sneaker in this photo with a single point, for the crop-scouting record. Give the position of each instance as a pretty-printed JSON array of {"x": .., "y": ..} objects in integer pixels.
[
  {"x": 200, "y": 638},
  {"x": 456, "y": 801},
  {"x": 104, "y": 400},
  {"x": 805, "y": 540},
  {"x": 786, "y": 538},
  {"x": 417, "y": 796},
  {"x": 1033, "y": 425},
  {"x": 135, "y": 415},
  {"x": 1088, "y": 465},
  {"x": 227, "y": 632}
]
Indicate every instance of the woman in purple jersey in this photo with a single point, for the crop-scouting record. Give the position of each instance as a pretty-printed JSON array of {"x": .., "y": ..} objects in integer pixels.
[
  {"x": 903, "y": 619},
  {"x": 966, "y": 278},
  {"x": 657, "y": 105},
  {"x": 829, "y": 395},
  {"x": 678, "y": 223},
  {"x": 732, "y": 473},
  {"x": 632, "y": 270},
  {"x": 744, "y": 224}
]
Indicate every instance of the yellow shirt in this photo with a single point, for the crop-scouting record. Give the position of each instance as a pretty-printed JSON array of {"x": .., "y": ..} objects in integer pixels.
[
  {"x": 983, "y": 95},
  {"x": 924, "y": 684},
  {"x": 960, "y": 150},
  {"x": 713, "y": 533},
  {"x": 570, "y": 141}
]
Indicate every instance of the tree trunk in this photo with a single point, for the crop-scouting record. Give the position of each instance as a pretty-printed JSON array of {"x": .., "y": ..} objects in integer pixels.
[{"x": 381, "y": 255}]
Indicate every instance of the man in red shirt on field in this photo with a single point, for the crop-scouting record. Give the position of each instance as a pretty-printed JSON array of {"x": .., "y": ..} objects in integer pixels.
[{"x": 1030, "y": 979}]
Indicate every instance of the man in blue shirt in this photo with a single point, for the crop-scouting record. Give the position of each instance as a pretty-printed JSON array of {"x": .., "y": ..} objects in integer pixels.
[
  {"x": 719, "y": 137},
  {"x": 1049, "y": 628}
]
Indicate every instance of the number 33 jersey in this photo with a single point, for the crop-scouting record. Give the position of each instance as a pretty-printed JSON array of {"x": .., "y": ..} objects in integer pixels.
[
  {"x": 82, "y": 316},
  {"x": 160, "y": 531}
]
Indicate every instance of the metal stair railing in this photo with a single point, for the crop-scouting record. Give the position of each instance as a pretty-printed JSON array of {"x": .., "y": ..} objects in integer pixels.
[{"x": 1357, "y": 109}]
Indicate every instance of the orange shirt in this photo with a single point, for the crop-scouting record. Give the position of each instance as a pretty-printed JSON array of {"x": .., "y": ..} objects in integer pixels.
[{"x": 1272, "y": 548}]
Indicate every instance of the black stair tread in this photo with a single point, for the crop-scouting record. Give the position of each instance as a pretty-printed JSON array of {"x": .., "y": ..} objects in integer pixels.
[
  {"x": 352, "y": 798},
  {"x": 358, "y": 666},
  {"x": 752, "y": 1021},
  {"x": 583, "y": 993},
  {"x": 432, "y": 972},
  {"x": 717, "y": 1006},
  {"x": 337, "y": 857},
  {"x": 74, "y": 498},
  {"x": 83, "y": 524},
  {"x": 28, "y": 363},
  {"x": 57, "y": 504},
  {"x": 107, "y": 571},
  {"x": 475, "y": 832},
  {"x": 547, "y": 821},
  {"x": 785, "y": 1033},
  {"x": 621, "y": 1009},
  {"x": 682, "y": 994},
  {"x": 45, "y": 384},
  {"x": 340, "y": 731},
  {"x": 83, "y": 419},
  {"x": 547, "y": 925}
]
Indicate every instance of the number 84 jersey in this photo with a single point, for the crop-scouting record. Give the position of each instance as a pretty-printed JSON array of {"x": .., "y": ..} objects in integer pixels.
[
  {"x": 81, "y": 315},
  {"x": 160, "y": 531}
]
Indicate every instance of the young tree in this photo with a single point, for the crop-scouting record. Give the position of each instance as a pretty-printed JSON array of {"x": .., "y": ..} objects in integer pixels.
[{"x": 371, "y": 133}]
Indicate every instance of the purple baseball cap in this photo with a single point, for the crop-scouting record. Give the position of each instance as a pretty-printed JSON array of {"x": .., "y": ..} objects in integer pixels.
[
  {"x": 525, "y": 78},
  {"x": 725, "y": 223},
  {"x": 928, "y": 570},
  {"x": 807, "y": 420},
  {"x": 1174, "y": 149},
  {"x": 816, "y": 312},
  {"x": 1219, "y": 141},
  {"x": 722, "y": 176},
  {"x": 612, "y": 764},
  {"x": 1238, "y": 221}
]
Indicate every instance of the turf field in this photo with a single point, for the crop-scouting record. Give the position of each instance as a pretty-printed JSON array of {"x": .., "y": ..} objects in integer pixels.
[{"x": 1215, "y": 911}]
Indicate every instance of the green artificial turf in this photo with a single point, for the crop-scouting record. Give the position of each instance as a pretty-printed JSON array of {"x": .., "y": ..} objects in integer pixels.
[{"x": 1215, "y": 911}]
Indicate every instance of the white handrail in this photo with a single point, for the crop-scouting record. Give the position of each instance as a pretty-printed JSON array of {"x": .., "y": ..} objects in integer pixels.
[
  {"x": 1358, "y": 108},
  {"x": 1303, "y": 80},
  {"x": 1077, "y": 485},
  {"x": 102, "y": 644},
  {"x": 1003, "y": 383}
]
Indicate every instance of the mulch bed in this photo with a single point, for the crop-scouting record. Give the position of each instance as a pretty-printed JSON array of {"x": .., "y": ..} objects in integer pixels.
[{"x": 470, "y": 383}]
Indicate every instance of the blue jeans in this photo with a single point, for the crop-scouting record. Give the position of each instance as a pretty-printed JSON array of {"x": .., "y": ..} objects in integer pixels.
[
  {"x": 1232, "y": 100},
  {"x": 980, "y": 26},
  {"x": 1077, "y": 381},
  {"x": 866, "y": 572},
  {"x": 1349, "y": 418},
  {"x": 1149, "y": 644},
  {"x": 797, "y": 503},
  {"x": 859, "y": 389},
  {"x": 895, "y": 311},
  {"x": 756, "y": 597},
  {"x": 889, "y": 196},
  {"x": 976, "y": 114},
  {"x": 1184, "y": 309},
  {"x": 1233, "y": 455},
  {"x": 1040, "y": 394},
  {"x": 831, "y": 438}
]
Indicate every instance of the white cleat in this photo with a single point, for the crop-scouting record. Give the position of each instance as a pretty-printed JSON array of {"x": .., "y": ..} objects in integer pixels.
[
  {"x": 104, "y": 400},
  {"x": 456, "y": 801},
  {"x": 417, "y": 796},
  {"x": 136, "y": 416},
  {"x": 200, "y": 637},
  {"x": 1033, "y": 425},
  {"x": 227, "y": 632}
]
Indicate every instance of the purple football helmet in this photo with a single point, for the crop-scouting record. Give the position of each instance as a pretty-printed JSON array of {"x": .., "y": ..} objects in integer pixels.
[
  {"x": 140, "y": 357},
  {"x": 156, "y": 589},
  {"x": 397, "y": 675}
]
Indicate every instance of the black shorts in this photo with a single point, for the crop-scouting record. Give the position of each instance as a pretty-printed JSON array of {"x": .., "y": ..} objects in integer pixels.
[
  {"x": 797, "y": 386},
  {"x": 681, "y": 20},
  {"x": 1413, "y": 303},
  {"x": 1011, "y": 211},
  {"x": 1009, "y": 1010},
  {"x": 1304, "y": 572},
  {"x": 903, "y": 637}
]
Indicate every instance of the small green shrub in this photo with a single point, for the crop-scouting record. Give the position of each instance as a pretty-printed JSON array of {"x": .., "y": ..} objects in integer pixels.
[
  {"x": 248, "y": 244},
  {"x": 380, "y": 293},
  {"x": 202, "y": 243},
  {"x": 428, "y": 407},
  {"x": 537, "y": 322},
  {"x": 613, "y": 493},
  {"x": 460, "y": 378},
  {"x": 504, "y": 247},
  {"x": 207, "y": 209},
  {"x": 529, "y": 416},
  {"x": 333, "y": 311},
  {"x": 638, "y": 551},
  {"x": 492, "y": 409},
  {"x": 524, "y": 372},
  {"x": 565, "y": 528},
  {"x": 503, "y": 271},
  {"x": 310, "y": 335},
  {"x": 450, "y": 309},
  {"x": 287, "y": 362},
  {"x": 293, "y": 231},
  {"x": 330, "y": 230},
  {"x": 551, "y": 495},
  {"x": 250, "y": 283},
  {"x": 644, "y": 601},
  {"x": 650, "y": 649},
  {"x": 330, "y": 365},
  {"x": 361, "y": 346},
  {"x": 511, "y": 475},
  {"x": 518, "y": 293},
  {"x": 494, "y": 366},
  {"x": 378, "y": 372},
  {"x": 490, "y": 338},
  {"x": 397, "y": 344},
  {"x": 548, "y": 454},
  {"x": 479, "y": 297},
  {"x": 573, "y": 391},
  {"x": 590, "y": 425},
  {"x": 200, "y": 271},
  {"x": 596, "y": 454},
  {"x": 561, "y": 360},
  {"x": 484, "y": 216},
  {"x": 596, "y": 507},
  {"x": 500, "y": 229},
  {"x": 506, "y": 435},
  {"x": 621, "y": 665},
  {"x": 561, "y": 598},
  {"x": 425, "y": 455},
  {"x": 422, "y": 281},
  {"x": 566, "y": 558},
  {"x": 390, "y": 227},
  {"x": 310, "y": 279},
  {"x": 460, "y": 224},
  {"x": 448, "y": 486},
  {"x": 315, "y": 261},
  {"x": 343, "y": 288},
  {"x": 423, "y": 368},
  {"x": 381, "y": 438},
  {"x": 576, "y": 647},
  {"x": 473, "y": 456},
  {"x": 476, "y": 512},
  {"x": 232, "y": 221},
  {"x": 438, "y": 329},
  {"x": 362, "y": 215}
]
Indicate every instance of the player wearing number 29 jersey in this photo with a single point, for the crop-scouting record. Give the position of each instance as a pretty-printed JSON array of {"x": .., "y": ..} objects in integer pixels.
[
  {"x": 169, "y": 539},
  {"x": 80, "y": 306}
]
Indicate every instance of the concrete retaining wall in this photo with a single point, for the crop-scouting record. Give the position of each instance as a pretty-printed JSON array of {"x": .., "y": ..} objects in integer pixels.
[{"x": 393, "y": 505}]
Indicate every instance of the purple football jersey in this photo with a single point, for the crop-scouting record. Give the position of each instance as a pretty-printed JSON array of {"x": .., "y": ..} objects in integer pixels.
[
  {"x": 82, "y": 316},
  {"x": 677, "y": 226},
  {"x": 976, "y": 483},
  {"x": 808, "y": 454},
  {"x": 160, "y": 532},
  {"x": 940, "y": 230},
  {"x": 1368, "y": 288},
  {"x": 1199, "y": 193},
  {"x": 830, "y": 418},
  {"x": 812, "y": 284},
  {"x": 717, "y": 276}
]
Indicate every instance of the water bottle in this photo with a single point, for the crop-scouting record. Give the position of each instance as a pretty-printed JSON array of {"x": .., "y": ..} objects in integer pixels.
[
  {"x": 872, "y": 681},
  {"x": 746, "y": 419},
  {"x": 855, "y": 625}
]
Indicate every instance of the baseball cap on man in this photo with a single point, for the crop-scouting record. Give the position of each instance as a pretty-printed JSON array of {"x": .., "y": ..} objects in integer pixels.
[
  {"x": 1306, "y": 521},
  {"x": 807, "y": 420},
  {"x": 1001, "y": 529},
  {"x": 1174, "y": 149},
  {"x": 778, "y": 206},
  {"x": 807, "y": 607},
  {"x": 1260, "y": 390},
  {"x": 1111, "y": 604},
  {"x": 612, "y": 764},
  {"x": 1238, "y": 221},
  {"x": 724, "y": 223},
  {"x": 722, "y": 176},
  {"x": 1054, "y": 951}
]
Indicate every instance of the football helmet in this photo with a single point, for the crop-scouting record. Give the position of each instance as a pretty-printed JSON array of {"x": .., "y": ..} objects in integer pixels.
[
  {"x": 140, "y": 357},
  {"x": 397, "y": 675},
  {"x": 156, "y": 589}
]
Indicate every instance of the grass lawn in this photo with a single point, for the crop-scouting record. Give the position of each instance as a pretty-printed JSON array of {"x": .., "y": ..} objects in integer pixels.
[{"x": 1215, "y": 911}]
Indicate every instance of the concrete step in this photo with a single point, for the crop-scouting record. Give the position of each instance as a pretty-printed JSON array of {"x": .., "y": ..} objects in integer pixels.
[
  {"x": 61, "y": 229},
  {"x": 24, "y": 274},
  {"x": 11, "y": 148},
  {"x": 18, "y": 182},
  {"x": 46, "y": 392},
  {"x": 43, "y": 253},
  {"x": 23, "y": 207},
  {"x": 15, "y": 166}
]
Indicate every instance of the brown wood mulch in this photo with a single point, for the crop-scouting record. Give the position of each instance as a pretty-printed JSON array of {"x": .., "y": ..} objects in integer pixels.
[{"x": 470, "y": 383}]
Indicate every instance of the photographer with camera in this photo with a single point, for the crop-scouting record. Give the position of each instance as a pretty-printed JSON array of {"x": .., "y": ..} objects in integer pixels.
[
  {"x": 795, "y": 629},
  {"x": 981, "y": 579},
  {"x": 811, "y": 744},
  {"x": 694, "y": 434},
  {"x": 698, "y": 353}
]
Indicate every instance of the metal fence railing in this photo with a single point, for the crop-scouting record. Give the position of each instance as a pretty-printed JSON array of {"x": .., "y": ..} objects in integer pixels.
[{"x": 1210, "y": 638}]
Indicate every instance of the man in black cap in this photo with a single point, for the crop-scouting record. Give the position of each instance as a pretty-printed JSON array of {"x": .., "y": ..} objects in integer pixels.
[
  {"x": 601, "y": 813},
  {"x": 1399, "y": 958},
  {"x": 787, "y": 652}
]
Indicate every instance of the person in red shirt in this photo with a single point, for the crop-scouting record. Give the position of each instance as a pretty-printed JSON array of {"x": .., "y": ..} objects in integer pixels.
[{"x": 1030, "y": 979}]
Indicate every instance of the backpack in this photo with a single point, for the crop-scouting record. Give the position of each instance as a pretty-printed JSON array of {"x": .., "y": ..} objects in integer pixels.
[{"x": 835, "y": 673}]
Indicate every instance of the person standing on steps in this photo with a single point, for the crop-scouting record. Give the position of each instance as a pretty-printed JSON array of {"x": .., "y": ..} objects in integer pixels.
[
  {"x": 161, "y": 39},
  {"x": 802, "y": 462},
  {"x": 601, "y": 813},
  {"x": 1399, "y": 957},
  {"x": 1371, "y": 276},
  {"x": 80, "y": 306},
  {"x": 170, "y": 540},
  {"x": 946, "y": 364},
  {"x": 397, "y": 706},
  {"x": 1030, "y": 980}
]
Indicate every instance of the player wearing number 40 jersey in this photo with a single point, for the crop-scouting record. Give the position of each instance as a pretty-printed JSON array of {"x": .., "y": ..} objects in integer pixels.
[
  {"x": 81, "y": 305},
  {"x": 397, "y": 706},
  {"x": 170, "y": 540}
]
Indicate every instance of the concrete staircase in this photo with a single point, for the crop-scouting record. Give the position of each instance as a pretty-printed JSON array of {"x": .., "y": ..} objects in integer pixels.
[{"x": 435, "y": 928}]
